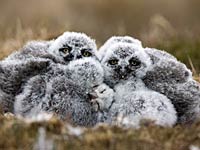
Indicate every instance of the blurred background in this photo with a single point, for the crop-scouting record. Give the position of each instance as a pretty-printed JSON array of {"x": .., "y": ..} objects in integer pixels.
[{"x": 171, "y": 25}]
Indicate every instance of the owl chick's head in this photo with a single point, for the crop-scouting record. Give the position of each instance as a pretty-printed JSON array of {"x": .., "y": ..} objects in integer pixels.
[
  {"x": 117, "y": 39},
  {"x": 71, "y": 46},
  {"x": 86, "y": 73},
  {"x": 124, "y": 60}
]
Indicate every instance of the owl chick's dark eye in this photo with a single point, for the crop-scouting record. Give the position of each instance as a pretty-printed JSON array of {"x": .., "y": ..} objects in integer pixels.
[
  {"x": 65, "y": 50},
  {"x": 113, "y": 61},
  {"x": 135, "y": 62},
  {"x": 86, "y": 53}
]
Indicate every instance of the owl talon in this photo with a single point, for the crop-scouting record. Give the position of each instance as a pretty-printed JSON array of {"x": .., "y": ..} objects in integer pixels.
[
  {"x": 92, "y": 96},
  {"x": 101, "y": 98}
]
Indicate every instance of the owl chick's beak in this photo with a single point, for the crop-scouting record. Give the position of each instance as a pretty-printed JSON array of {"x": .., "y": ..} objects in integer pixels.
[
  {"x": 122, "y": 77},
  {"x": 122, "y": 74}
]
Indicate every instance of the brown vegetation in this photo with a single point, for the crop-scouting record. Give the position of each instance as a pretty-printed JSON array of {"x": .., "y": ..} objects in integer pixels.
[
  {"x": 20, "y": 134},
  {"x": 171, "y": 25}
]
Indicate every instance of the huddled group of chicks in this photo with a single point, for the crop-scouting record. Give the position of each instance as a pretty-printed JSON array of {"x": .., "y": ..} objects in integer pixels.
[{"x": 122, "y": 83}]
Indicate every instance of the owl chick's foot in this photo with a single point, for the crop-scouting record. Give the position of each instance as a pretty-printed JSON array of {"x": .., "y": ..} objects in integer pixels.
[{"x": 102, "y": 97}]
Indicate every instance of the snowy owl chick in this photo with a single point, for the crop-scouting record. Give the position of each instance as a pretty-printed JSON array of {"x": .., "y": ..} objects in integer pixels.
[
  {"x": 66, "y": 91},
  {"x": 172, "y": 78},
  {"x": 35, "y": 57},
  {"x": 124, "y": 65}
]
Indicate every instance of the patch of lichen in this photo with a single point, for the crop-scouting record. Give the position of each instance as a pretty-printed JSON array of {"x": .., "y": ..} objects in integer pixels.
[{"x": 19, "y": 134}]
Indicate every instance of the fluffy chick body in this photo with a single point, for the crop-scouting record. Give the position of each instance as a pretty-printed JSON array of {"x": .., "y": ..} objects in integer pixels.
[
  {"x": 172, "y": 78},
  {"x": 134, "y": 103},
  {"x": 64, "y": 90}
]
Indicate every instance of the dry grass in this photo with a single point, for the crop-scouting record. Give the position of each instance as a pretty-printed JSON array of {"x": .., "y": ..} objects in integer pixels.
[{"x": 19, "y": 134}]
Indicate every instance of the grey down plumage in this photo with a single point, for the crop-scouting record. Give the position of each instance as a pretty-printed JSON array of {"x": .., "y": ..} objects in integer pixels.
[
  {"x": 172, "y": 78},
  {"x": 67, "y": 91},
  {"x": 35, "y": 58},
  {"x": 124, "y": 65}
]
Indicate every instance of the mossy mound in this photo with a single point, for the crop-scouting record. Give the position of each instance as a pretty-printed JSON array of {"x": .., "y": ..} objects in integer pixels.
[{"x": 18, "y": 133}]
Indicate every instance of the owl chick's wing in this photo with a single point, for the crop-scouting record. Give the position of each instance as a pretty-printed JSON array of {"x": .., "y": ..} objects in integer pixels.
[{"x": 14, "y": 74}]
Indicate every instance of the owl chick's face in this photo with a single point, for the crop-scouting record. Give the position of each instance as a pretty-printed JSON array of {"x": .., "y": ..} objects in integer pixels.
[
  {"x": 71, "y": 46},
  {"x": 123, "y": 61}
]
